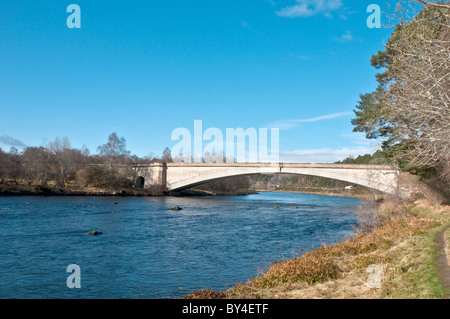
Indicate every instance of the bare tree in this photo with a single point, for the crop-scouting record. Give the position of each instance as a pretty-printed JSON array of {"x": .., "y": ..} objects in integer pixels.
[
  {"x": 117, "y": 171},
  {"x": 114, "y": 148},
  {"x": 167, "y": 156},
  {"x": 417, "y": 98},
  {"x": 63, "y": 159},
  {"x": 35, "y": 163},
  {"x": 3, "y": 165}
]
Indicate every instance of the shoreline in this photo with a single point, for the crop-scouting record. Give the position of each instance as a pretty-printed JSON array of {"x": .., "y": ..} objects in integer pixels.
[
  {"x": 369, "y": 197},
  {"x": 48, "y": 191},
  {"x": 17, "y": 189}
]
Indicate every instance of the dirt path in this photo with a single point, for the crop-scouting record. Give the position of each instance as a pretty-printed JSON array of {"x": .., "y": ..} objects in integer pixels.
[{"x": 442, "y": 263}]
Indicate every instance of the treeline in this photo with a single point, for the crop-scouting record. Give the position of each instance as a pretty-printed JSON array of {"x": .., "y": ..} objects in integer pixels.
[
  {"x": 377, "y": 158},
  {"x": 58, "y": 164},
  {"x": 230, "y": 185},
  {"x": 295, "y": 182},
  {"x": 264, "y": 182}
]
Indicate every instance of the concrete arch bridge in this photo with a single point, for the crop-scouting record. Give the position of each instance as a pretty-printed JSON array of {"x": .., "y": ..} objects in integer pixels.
[{"x": 177, "y": 176}]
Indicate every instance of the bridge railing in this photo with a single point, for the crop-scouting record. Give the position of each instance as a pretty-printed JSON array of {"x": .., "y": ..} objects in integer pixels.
[{"x": 282, "y": 165}]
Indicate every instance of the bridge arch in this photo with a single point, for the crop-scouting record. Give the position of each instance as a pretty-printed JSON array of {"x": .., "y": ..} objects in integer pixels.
[
  {"x": 381, "y": 178},
  {"x": 210, "y": 177}
]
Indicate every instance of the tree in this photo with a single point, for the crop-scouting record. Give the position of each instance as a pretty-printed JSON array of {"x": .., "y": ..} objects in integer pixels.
[
  {"x": 85, "y": 151},
  {"x": 14, "y": 164},
  {"x": 410, "y": 109},
  {"x": 115, "y": 147},
  {"x": 4, "y": 163},
  {"x": 115, "y": 173},
  {"x": 13, "y": 151},
  {"x": 167, "y": 156},
  {"x": 63, "y": 160},
  {"x": 36, "y": 165}
]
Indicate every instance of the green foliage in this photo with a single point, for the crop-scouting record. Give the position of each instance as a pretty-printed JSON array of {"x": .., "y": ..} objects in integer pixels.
[
  {"x": 294, "y": 179},
  {"x": 377, "y": 158},
  {"x": 372, "y": 117}
]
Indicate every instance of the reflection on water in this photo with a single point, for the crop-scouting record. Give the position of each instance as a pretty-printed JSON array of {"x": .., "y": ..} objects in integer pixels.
[{"x": 149, "y": 251}]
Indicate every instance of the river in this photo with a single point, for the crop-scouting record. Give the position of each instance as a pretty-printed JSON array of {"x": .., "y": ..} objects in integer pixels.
[{"x": 148, "y": 251}]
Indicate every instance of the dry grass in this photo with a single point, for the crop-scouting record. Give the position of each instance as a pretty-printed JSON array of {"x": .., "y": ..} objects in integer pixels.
[
  {"x": 311, "y": 268},
  {"x": 372, "y": 215},
  {"x": 206, "y": 294}
]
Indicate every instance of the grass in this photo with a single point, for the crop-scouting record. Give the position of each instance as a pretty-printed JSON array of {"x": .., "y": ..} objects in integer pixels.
[
  {"x": 403, "y": 248},
  {"x": 447, "y": 246},
  {"x": 414, "y": 273}
]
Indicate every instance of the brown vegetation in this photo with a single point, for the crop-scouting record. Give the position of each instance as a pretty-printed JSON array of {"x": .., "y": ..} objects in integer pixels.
[{"x": 57, "y": 168}]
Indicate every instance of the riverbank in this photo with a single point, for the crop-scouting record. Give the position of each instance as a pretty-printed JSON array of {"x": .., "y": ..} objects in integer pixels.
[
  {"x": 192, "y": 192},
  {"x": 402, "y": 254},
  {"x": 371, "y": 196},
  {"x": 18, "y": 189},
  {"x": 10, "y": 188}
]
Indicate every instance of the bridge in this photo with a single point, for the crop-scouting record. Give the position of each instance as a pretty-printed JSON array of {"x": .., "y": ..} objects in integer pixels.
[{"x": 166, "y": 177}]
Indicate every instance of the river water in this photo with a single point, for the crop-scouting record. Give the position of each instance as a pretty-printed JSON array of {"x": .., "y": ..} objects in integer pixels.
[{"x": 148, "y": 251}]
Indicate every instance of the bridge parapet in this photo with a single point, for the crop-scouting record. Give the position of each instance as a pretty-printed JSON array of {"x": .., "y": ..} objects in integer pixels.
[{"x": 283, "y": 165}]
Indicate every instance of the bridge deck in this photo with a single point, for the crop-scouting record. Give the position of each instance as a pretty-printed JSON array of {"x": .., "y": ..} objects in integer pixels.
[{"x": 282, "y": 165}]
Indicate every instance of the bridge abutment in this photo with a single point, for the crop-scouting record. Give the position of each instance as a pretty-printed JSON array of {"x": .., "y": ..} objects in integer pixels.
[{"x": 154, "y": 176}]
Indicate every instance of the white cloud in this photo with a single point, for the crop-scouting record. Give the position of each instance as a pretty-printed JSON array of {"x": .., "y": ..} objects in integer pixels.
[
  {"x": 290, "y": 124},
  {"x": 323, "y": 155},
  {"x": 360, "y": 139},
  {"x": 308, "y": 8},
  {"x": 346, "y": 37},
  {"x": 271, "y": 2},
  {"x": 11, "y": 141}
]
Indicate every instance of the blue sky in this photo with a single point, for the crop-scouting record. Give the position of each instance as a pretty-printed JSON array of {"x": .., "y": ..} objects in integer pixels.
[{"x": 145, "y": 68}]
